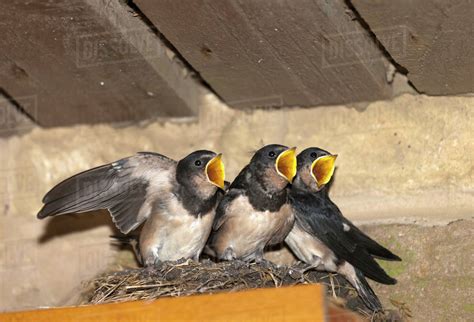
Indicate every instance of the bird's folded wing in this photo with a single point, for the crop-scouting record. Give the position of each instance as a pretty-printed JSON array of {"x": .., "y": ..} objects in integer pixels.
[
  {"x": 374, "y": 248},
  {"x": 221, "y": 209},
  {"x": 328, "y": 227},
  {"x": 128, "y": 188},
  {"x": 234, "y": 190}
]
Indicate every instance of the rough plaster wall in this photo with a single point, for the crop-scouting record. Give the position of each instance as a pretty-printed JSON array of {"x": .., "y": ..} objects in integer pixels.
[
  {"x": 435, "y": 260},
  {"x": 404, "y": 160}
]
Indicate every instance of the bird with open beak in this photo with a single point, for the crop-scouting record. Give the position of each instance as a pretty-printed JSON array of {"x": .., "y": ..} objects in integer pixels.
[
  {"x": 323, "y": 238},
  {"x": 176, "y": 201},
  {"x": 254, "y": 212}
]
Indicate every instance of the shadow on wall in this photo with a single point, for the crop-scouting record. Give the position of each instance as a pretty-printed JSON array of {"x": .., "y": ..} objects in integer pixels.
[{"x": 74, "y": 223}]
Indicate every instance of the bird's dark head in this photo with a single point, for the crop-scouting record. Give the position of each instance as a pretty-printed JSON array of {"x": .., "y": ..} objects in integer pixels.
[
  {"x": 201, "y": 171},
  {"x": 315, "y": 168},
  {"x": 275, "y": 165}
]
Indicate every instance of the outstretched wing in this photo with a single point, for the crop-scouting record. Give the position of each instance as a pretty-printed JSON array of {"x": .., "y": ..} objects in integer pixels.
[
  {"x": 127, "y": 188},
  {"x": 323, "y": 219}
]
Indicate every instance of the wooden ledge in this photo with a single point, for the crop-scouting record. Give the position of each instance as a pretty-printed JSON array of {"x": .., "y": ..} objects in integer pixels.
[{"x": 297, "y": 303}]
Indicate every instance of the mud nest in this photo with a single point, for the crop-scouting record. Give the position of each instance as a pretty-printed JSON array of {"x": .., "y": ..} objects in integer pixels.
[{"x": 182, "y": 278}]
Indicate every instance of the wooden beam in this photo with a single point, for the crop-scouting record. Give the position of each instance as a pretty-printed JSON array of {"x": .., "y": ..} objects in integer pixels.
[
  {"x": 80, "y": 67},
  {"x": 274, "y": 53},
  {"x": 298, "y": 303},
  {"x": 433, "y": 40},
  {"x": 13, "y": 120}
]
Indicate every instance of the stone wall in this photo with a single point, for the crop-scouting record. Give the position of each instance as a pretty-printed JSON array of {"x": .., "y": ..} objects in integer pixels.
[{"x": 408, "y": 160}]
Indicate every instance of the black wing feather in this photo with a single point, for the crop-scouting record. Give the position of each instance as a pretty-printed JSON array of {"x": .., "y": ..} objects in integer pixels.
[
  {"x": 319, "y": 216},
  {"x": 236, "y": 188},
  {"x": 374, "y": 248}
]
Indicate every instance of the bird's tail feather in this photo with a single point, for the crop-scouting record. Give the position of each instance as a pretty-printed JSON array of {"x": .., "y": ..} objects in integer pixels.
[
  {"x": 366, "y": 293},
  {"x": 357, "y": 278}
]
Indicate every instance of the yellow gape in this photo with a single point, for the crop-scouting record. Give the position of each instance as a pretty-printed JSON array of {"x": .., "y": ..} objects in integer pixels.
[
  {"x": 286, "y": 164},
  {"x": 215, "y": 171},
  {"x": 322, "y": 169}
]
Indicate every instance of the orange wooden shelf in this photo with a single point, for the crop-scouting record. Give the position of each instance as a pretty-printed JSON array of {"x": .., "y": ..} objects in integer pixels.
[{"x": 297, "y": 303}]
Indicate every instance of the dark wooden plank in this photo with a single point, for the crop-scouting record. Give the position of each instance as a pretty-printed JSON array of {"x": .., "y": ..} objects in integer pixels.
[
  {"x": 438, "y": 40},
  {"x": 13, "y": 120},
  {"x": 280, "y": 53},
  {"x": 78, "y": 67}
]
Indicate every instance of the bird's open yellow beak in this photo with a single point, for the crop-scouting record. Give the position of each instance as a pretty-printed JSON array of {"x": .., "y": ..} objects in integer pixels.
[
  {"x": 322, "y": 169},
  {"x": 286, "y": 164},
  {"x": 215, "y": 171}
]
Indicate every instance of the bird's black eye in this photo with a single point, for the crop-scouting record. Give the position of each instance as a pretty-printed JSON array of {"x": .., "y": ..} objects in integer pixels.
[
  {"x": 314, "y": 155},
  {"x": 271, "y": 154},
  {"x": 197, "y": 163}
]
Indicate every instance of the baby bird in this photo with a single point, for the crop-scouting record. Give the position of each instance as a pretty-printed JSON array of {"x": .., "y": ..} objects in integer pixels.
[
  {"x": 323, "y": 238},
  {"x": 174, "y": 200},
  {"x": 255, "y": 212}
]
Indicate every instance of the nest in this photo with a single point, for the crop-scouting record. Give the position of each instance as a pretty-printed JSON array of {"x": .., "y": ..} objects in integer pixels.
[{"x": 182, "y": 278}]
